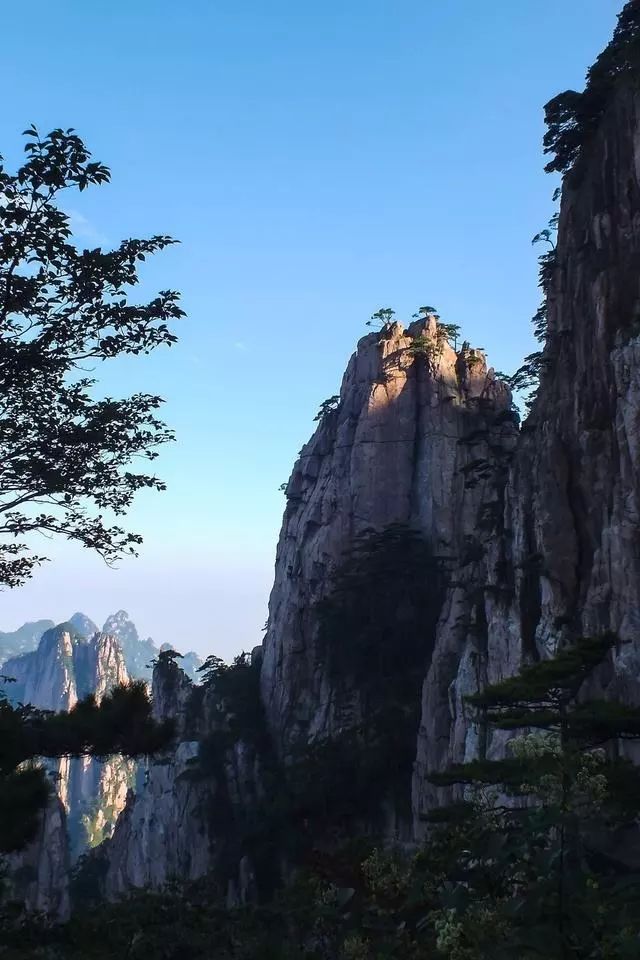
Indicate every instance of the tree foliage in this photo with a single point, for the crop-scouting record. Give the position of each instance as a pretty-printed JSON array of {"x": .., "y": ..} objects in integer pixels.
[
  {"x": 573, "y": 118},
  {"x": 65, "y": 455},
  {"x": 327, "y": 407}
]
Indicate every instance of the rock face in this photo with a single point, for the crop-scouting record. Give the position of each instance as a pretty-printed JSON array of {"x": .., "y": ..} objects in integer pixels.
[
  {"x": 139, "y": 653},
  {"x": 396, "y": 451},
  {"x": 566, "y": 544},
  {"x": 536, "y": 529},
  {"x": 39, "y": 875},
  {"x": 84, "y": 625},
  {"x": 65, "y": 667},
  {"x": 178, "y": 824}
]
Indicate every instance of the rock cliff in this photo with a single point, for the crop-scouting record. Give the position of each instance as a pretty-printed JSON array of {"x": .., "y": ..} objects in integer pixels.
[
  {"x": 415, "y": 440},
  {"x": 39, "y": 875},
  {"x": 184, "y": 820},
  {"x": 403, "y": 450}
]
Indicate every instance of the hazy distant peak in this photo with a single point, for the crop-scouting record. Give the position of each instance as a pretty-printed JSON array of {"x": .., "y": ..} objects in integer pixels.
[
  {"x": 22, "y": 640},
  {"x": 119, "y": 625},
  {"x": 84, "y": 624}
]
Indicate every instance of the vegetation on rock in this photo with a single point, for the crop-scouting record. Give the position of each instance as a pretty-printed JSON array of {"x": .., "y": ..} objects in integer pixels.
[{"x": 573, "y": 118}]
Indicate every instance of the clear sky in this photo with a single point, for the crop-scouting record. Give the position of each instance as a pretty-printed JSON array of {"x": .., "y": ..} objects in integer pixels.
[{"x": 317, "y": 161}]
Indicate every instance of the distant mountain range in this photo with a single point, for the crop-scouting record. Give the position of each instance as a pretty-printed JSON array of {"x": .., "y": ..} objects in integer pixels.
[{"x": 138, "y": 653}]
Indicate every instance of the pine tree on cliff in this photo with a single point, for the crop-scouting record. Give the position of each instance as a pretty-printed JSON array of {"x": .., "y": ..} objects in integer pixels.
[
  {"x": 574, "y": 117},
  {"x": 66, "y": 457},
  {"x": 536, "y": 865}
]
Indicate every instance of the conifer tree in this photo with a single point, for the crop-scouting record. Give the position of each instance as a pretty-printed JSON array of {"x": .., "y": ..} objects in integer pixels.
[{"x": 538, "y": 862}]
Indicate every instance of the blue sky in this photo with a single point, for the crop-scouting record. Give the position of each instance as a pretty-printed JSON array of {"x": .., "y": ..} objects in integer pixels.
[{"x": 317, "y": 161}]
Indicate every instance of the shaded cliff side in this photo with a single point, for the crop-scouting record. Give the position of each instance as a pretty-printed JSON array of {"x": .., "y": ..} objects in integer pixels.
[{"x": 415, "y": 440}]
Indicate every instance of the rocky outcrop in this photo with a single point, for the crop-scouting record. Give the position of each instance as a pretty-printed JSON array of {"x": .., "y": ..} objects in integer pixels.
[
  {"x": 190, "y": 662},
  {"x": 65, "y": 667},
  {"x": 140, "y": 654},
  {"x": 180, "y": 823},
  {"x": 84, "y": 625},
  {"x": 147, "y": 850},
  {"x": 416, "y": 439}
]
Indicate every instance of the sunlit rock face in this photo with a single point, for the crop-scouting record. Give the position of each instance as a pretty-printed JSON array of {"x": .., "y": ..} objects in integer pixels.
[{"x": 65, "y": 667}]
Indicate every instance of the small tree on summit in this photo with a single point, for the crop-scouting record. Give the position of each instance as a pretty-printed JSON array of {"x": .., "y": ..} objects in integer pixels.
[{"x": 381, "y": 318}]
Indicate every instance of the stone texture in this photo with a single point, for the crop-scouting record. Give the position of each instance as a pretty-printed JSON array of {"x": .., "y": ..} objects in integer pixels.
[
  {"x": 39, "y": 875},
  {"x": 177, "y": 825}
]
